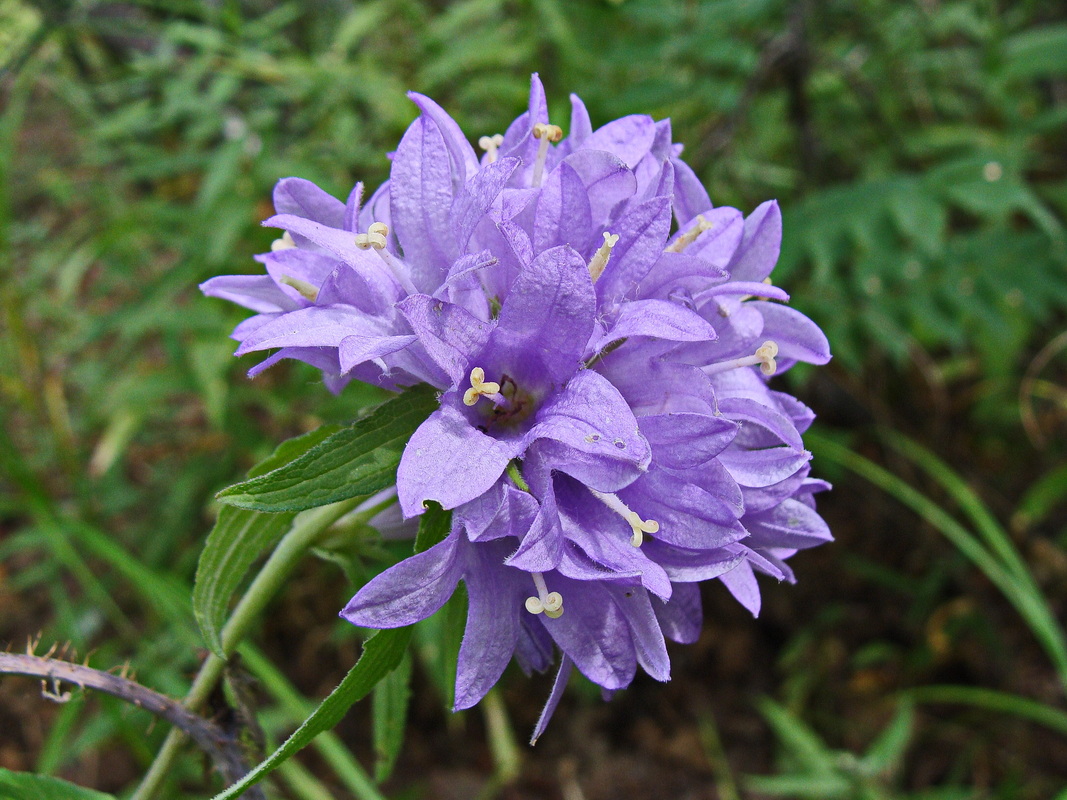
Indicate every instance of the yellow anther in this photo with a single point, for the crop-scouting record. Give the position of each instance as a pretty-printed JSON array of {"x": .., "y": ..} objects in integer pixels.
[
  {"x": 479, "y": 387},
  {"x": 765, "y": 355},
  {"x": 305, "y": 288},
  {"x": 284, "y": 243},
  {"x": 554, "y": 605},
  {"x": 374, "y": 237},
  {"x": 546, "y": 133},
  {"x": 640, "y": 527},
  {"x": 600, "y": 259},
  {"x": 490, "y": 144},
  {"x": 551, "y": 132},
  {"x": 690, "y": 235},
  {"x": 551, "y": 603}
]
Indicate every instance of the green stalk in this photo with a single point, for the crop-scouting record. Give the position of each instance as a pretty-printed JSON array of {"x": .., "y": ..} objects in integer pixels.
[
  {"x": 1030, "y": 604},
  {"x": 307, "y": 528}
]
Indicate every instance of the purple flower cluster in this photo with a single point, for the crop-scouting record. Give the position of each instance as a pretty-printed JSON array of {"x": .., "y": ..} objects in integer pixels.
[{"x": 606, "y": 436}]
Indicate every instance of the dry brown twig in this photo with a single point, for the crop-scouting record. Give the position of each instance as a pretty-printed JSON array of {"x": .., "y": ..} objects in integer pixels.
[{"x": 222, "y": 748}]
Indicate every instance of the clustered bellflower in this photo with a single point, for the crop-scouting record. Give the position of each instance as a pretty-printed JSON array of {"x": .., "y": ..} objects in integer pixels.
[{"x": 602, "y": 338}]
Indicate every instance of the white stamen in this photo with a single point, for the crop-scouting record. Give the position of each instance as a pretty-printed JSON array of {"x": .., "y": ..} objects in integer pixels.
[
  {"x": 687, "y": 238},
  {"x": 284, "y": 243},
  {"x": 481, "y": 387},
  {"x": 305, "y": 288},
  {"x": 639, "y": 526},
  {"x": 374, "y": 237},
  {"x": 546, "y": 133},
  {"x": 490, "y": 144},
  {"x": 764, "y": 357},
  {"x": 600, "y": 259},
  {"x": 551, "y": 603}
]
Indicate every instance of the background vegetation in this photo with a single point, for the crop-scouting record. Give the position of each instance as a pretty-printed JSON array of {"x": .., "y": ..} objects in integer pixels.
[{"x": 919, "y": 150}]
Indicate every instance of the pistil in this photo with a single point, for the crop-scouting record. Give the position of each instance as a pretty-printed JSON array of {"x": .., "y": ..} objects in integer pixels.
[
  {"x": 305, "y": 288},
  {"x": 480, "y": 387},
  {"x": 284, "y": 243},
  {"x": 639, "y": 526},
  {"x": 376, "y": 238},
  {"x": 546, "y": 134},
  {"x": 600, "y": 259},
  {"x": 490, "y": 144},
  {"x": 764, "y": 357},
  {"x": 687, "y": 238},
  {"x": 551, "y": 603}
]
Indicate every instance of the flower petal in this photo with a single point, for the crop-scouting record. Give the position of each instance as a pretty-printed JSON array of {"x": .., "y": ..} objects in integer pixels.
[
  {"x": 690, "y": 196},
  {"x": 542, "y": 547},
  {"x": 302, "y": 198},
  {"x": 477, "y": 196},
  {"x": 355, "y": 350},
  {"x": 548, "y": 314},
  {"x": 797, "y": 336},
  {"x": 685, "y": 440},
  {"x": 628, "y": 138},
  {"x": 421, "y": 195},
  {"x": 760, "y": 245},
  {"x": 449, "y": 460},
  {"x": 464, "y": 161},
  {"x": 649, "y": 646},
  {"x": 759, "y": 468},
  {"x": 742, "y": 585},
  {"x": 409, "y": 591},
  {"x": 790, "y": 524},
  {"x": 681, "y": 617},
  {"x": 593, "y": 631},
  {"x": 494, "y": 604},
  {"x": 449, "y": 333},
  {"x": 256, "y": 292},
  {"x": 315, "y": 326},
  {"x": 602, "y": 445},
  {"x": 659, "y": 319},
  {"x": 563, "y": 214},
  {"x": 642, "y": 235}
]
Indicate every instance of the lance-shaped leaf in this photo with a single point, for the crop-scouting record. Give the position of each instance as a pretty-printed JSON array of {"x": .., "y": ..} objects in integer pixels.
[
  {"x": 29, "y": 786},
  {"x": 358, "y": 460},
  {"x": 239, "y": 537}
]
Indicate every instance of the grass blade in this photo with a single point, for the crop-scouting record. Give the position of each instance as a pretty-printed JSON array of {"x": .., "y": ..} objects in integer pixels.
[{"x": 1030, "y": 605}]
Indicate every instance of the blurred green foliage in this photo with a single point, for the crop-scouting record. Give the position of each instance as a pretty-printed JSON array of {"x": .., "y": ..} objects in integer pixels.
[{"x": 918, "y": 149}]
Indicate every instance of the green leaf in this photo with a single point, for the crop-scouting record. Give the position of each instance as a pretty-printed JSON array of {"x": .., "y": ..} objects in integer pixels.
[
  {"x": 390, "y": 707},
  {"x": 291, "y": 449},
  {"x": 382, "y": 654},
  {"x": 239, "y": 537},
  {"x": 821, "y": 787},
  {"x": 1036, "y": 52},
  {"x": 800, "y": 740},
  {"x": 1041, "y": 498},
  {"x": 887, "y": 751},
  {"x": 358, "y": 460},
  {"x": 438, "y": 639},
  {"x": 434, "y": 526},
  {"x": 27, "y": 786}
]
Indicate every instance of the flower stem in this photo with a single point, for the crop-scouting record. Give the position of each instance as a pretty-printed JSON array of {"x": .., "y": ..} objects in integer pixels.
[
  {"x": 307, "y": 528},
  {"x": 507, "y": 758}
]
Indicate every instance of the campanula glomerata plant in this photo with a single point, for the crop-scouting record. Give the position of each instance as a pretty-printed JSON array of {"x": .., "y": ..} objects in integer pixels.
[{"x": 601, "y": 340}]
